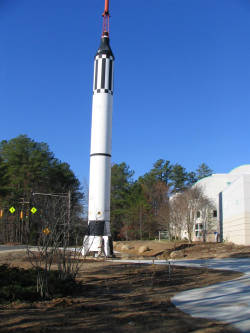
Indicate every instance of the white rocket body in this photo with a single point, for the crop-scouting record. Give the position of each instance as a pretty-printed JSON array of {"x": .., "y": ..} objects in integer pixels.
[{"x": 99, "y": 236}]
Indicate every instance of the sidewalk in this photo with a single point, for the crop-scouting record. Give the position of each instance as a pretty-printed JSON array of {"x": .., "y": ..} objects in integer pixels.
[{"x": 227, "y": 301}]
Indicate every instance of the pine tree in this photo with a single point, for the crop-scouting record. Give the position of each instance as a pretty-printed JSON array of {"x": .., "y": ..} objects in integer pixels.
[
  {"x": 179, "y": 177},
  {"x": 26, "y": 167},
  {"x": 203, "y": 171},
  {"x": 121, "y": 182}
]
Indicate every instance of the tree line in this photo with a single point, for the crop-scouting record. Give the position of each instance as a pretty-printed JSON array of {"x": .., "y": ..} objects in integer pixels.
[
  {"x": 32, "y": 177},
  {"x": 29, "y": 173},
  {"x": 158, "y": 200}
]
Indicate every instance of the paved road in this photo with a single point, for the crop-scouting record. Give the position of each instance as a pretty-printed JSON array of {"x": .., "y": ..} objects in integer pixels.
[
  {"x": 4, "y": 248},
  {"x": 12, "y": 248},
  {"x": 227, "y": 301}
]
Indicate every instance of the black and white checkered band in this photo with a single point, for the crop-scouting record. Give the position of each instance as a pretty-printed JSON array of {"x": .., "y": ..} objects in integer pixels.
[
  {"x": 102, "y": 91},
  {"x": 103, "y": 74},
  {"x": 104, "y": 56}
]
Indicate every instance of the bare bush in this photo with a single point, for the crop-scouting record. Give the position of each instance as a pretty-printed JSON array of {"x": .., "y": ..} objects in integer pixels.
[{"x": 53, "y": 220}]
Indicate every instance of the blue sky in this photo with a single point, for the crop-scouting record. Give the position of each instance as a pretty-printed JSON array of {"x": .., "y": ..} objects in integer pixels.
[{"x": 182, "y": 79}]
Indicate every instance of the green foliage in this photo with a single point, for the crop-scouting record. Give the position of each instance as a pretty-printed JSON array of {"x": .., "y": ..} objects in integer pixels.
[
  {"x": 179, "y": 177},
  {"x": 162, "y": 171},
  {"x": 174, "y": 176},
  {"x": 191, "y": 178},
  {"x": 27, "y": 167},
  {"x": 21, "y": 284},
  {"x": 17, "y": 284},
  {"x": 203, "y": 171},
  {"x": 139, "y": 209},
  {"x": 121, "y": 183}
]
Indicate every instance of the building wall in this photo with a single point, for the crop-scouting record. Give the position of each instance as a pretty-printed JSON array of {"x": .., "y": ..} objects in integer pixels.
[
  {"x": 247, "y": 208},
  {"x": 230, "y": 193},
  {"x": 236, "y": 211},
  {"x": 247, "y": 228}
]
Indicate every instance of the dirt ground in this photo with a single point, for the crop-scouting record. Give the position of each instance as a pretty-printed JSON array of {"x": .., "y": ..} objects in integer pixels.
[
  {"x": 181, "y": 250},
  {"x": 115, "y": 298}
]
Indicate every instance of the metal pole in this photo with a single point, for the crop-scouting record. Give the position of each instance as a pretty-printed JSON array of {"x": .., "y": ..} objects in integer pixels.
[{"x": 69, "y": 207}]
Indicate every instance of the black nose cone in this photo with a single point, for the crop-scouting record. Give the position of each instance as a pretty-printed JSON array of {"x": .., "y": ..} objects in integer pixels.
[{"x": 104, "y": 47}]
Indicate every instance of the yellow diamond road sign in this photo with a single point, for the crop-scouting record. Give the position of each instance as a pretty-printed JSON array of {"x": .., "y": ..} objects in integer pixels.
[
  {"x": 46, "y": 231},
  {"x": 33, "y": 210},
  {"x": 12, "y": 210}
]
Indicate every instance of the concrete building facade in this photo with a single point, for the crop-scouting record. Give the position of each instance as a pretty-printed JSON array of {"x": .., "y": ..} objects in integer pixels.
[{"x": 230, "y": 194}]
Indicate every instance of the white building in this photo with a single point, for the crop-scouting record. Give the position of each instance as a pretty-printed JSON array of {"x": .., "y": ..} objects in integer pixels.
[{"x": 230, "y": 194}]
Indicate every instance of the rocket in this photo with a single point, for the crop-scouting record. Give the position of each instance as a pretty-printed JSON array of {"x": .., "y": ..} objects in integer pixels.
[{"x": 99, "y": 238}]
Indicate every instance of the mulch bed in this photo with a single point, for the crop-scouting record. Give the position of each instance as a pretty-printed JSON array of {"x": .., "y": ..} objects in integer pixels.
[{"x": 116, "y": 298}]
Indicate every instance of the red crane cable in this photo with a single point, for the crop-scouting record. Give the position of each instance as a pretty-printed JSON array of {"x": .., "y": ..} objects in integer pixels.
[
  {"x": 106, "y": 6},
  {"x": 105, "y": 27}
]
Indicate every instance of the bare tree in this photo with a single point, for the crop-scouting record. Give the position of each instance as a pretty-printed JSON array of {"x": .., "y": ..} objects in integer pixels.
[
  {"x": 206, "y": 209},
  {"x": 53, "y": 227},
  {"x": 183, "y": 211},
  {"x": 176, "y": 216},
  {"x": 192, "y": 198}
]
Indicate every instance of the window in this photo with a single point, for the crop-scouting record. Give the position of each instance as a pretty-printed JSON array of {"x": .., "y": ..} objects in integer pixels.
[
  {"x": 198, "y": 214},
  {"x": 198, "y": 234},
  {"x": 198, "y": 227},
  {"x": 215, "y": 213}
]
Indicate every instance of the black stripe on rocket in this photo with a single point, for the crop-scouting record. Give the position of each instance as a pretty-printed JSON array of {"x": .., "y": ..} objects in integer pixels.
[
  {"x": 103, "y": 75},
  {"x": 110, "y": 76},
  {"x": 95, "y": 75}
]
